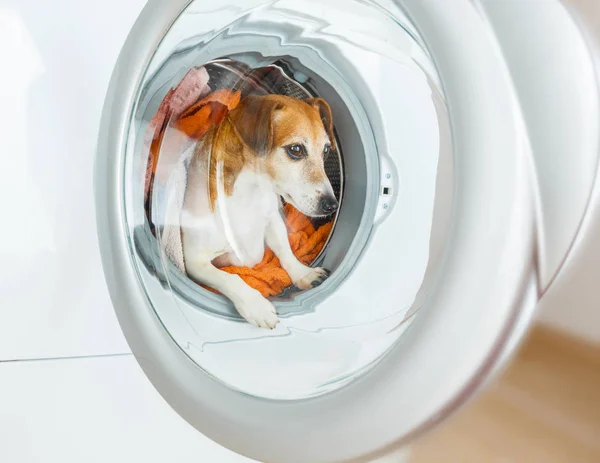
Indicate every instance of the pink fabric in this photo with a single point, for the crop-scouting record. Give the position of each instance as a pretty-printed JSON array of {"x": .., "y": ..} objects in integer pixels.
[{"x": 192, "y": 88}]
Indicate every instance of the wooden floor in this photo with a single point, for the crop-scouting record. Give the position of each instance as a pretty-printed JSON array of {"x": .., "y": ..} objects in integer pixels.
[{"x": 545, "y": 408}]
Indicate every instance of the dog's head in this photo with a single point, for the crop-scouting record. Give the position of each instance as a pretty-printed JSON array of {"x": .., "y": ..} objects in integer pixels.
[{"x": 290, "y": 139}]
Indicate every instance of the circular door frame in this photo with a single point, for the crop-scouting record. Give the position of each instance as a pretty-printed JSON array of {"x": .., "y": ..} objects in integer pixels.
[{"x": 486, "y": 283}]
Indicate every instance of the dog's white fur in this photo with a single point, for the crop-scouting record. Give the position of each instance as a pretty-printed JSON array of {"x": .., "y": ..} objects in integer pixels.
[{"x": 235, "y": 229}]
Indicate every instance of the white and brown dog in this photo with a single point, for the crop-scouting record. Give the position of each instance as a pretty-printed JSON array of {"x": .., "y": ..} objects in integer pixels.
[{"x": 268, "y": 148}]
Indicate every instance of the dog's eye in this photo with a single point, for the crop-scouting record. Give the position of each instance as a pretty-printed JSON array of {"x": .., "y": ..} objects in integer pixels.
[
  {"x": 327, "y": 150},
  {"x": 295, "y": 151}
]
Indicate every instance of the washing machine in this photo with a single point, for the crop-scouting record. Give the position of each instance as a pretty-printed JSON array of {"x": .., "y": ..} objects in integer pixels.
[{"x": 455, "y": 145}]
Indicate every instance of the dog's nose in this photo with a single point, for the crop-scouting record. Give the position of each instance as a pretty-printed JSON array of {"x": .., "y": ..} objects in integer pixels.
[{"x": 329, "y": 204}]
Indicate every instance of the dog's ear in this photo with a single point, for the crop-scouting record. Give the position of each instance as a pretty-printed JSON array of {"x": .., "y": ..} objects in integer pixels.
[
  {"x": 325, "y": 111},
  {"x": 253, "y": 122}
]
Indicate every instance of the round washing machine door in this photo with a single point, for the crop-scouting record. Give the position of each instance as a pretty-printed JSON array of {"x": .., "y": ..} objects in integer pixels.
[{"x": 316, "y": 218}]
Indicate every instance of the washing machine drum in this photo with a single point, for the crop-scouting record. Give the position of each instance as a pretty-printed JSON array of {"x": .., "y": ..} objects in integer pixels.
[{"x": 315, "y": 217}]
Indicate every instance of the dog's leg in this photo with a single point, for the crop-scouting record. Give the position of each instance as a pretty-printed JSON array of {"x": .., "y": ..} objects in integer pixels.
[
  {"x": 251, "y": 305},
  {"x": 302, "y": 276}
]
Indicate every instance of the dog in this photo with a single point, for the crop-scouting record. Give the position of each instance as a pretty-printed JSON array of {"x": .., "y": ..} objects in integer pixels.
[{"x": 267, "y": 149}]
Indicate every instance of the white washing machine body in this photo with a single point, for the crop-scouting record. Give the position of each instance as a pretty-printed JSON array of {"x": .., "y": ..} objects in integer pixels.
[{"x": 57, "y": 324}]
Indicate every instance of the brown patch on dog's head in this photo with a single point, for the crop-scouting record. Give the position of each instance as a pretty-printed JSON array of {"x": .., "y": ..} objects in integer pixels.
[
  {"x": 326, "y": 118},
  {"x": 253, "y": 122}
]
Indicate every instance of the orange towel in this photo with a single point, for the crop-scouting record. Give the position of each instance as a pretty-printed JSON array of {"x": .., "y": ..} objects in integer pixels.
[
  {"x": 212, "y": 109},
  {"x": 268, "y": 276}
]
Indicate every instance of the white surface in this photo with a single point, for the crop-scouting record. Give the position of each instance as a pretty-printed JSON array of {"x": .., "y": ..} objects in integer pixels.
[
  {"x": 554, "y": 53},
  {"x": 94, "y": 411},
  {"x": 57, "y": 59},
  {"x": 573, "y": 302},
  {"x": 555, "y": 80}
]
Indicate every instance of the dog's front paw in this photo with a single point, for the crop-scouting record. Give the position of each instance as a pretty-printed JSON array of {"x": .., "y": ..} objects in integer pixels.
[
  {"x": 258, "y": 311},
  {"x": 312, "y": 278}
]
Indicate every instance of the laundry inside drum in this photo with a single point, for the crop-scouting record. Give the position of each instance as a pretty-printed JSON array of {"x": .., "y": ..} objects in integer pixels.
[{"x": 283, "y": 191}]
